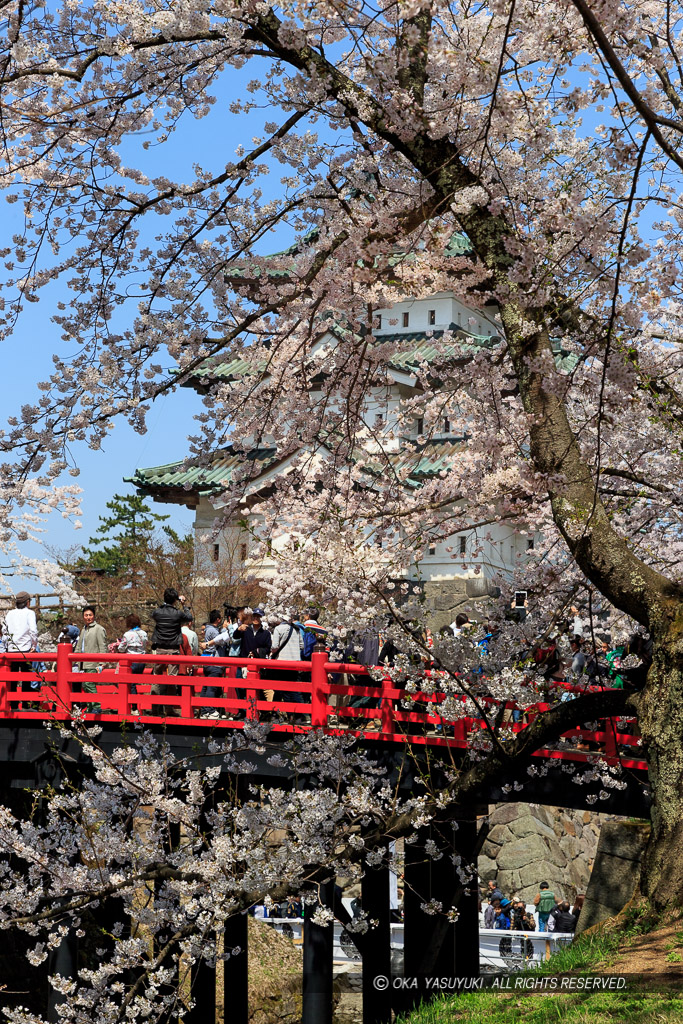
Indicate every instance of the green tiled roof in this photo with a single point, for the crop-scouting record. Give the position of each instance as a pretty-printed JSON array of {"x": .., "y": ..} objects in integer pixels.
[
  {"x": 182, "y": 483},
  {"x": 421, "y": 461},
  {"x": 417, "y": 347},
  {"x": 458, "y": 245}
]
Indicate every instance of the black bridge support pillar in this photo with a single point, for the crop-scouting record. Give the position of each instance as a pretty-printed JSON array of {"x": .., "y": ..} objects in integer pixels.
[
  {"x": 64, "y": 961},
  {"x": 203, "y": 989},
  {"x": 467, "y": 925},
  {"x": 236, "y": 971},
  {"x": 417, "y": 926},
  {"x": 377, "y": 950},
  {"x": 318, "y": 946},
  {"x": 433, "y": 946}
]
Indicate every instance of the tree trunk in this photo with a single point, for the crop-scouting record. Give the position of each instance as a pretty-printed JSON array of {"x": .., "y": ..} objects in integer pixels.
[{"x": 660, "y": 715}]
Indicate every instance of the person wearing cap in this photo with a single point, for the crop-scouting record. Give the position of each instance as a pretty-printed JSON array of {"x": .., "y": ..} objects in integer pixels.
[{"x": 20, "y": 633}]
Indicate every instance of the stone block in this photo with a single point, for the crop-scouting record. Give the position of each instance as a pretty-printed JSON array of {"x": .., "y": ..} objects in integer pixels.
[
  {"x": 531, "y": 876},
  {"x": 509, "y": 882},
  {"x": 488, "y": 869},
  {"x": 521, "y": 852},
  {"x": 527, "y": 825},
  {"x": 546, "y": 815},
  {"x": 503, "y": 814},
  {"x": 478, "y": 586},
  {"x": 616, "y": 871},
  {"x": 499, "y": 834},
  {"x": 623, "y": 839},
  {"x": 570, "y": 847}
]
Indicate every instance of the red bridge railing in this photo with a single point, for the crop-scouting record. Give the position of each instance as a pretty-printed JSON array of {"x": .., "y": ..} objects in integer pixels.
[{"x": 308, "y": 694}]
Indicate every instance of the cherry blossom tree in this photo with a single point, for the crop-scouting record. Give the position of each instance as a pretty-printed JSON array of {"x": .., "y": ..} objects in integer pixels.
[{"x": 547, "y": 133}]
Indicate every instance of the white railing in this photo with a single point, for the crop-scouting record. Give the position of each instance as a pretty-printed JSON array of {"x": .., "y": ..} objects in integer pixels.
[{"x": 498, "y": 949}]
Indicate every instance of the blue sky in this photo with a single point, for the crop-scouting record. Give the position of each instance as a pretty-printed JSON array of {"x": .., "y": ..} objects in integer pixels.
[{"x": 210, "y": 142}]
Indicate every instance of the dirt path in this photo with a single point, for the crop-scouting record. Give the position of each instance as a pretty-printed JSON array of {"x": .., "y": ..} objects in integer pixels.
[{"x": 647, "y": 954}]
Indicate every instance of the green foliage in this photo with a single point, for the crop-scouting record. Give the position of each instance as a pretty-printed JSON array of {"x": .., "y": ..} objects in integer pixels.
[{"x": 122, "y": 537}]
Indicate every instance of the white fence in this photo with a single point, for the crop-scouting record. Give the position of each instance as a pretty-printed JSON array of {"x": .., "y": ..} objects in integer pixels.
[{"x": 499, "y": 950}]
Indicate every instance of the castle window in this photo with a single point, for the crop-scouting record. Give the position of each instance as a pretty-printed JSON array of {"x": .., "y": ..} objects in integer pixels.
[
  {"x": 431, "y": 317},
  {"x": 432, "y": 549},
  {"x": 446, "y": 425},
  {"x": 216, "y": 552},
  {"x": 530, "y": 544},
  {"x": 243, "y": 552},
  {"x": 419, "y": 425},
  {"x": 463, "y": 545},
  {"x": 406, "y": 319}
]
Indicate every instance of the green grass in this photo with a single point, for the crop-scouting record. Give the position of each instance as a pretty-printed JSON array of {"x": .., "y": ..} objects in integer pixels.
[
  {"x": 585, "y": 952},
  {"x": 568, "y": 1008}
]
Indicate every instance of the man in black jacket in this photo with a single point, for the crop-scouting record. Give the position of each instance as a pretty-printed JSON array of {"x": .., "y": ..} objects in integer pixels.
[
  {"x": 564, "y": 919},
  {"x": 166, "y": 640},
  {"x": 256, "y": 639}
]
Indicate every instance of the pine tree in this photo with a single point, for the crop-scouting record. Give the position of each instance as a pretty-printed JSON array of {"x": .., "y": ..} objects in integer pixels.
[{"x": 121, "y": 537}]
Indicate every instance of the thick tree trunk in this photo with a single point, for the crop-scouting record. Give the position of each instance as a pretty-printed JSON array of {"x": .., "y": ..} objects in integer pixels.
[{"x": 660, "y": 715}]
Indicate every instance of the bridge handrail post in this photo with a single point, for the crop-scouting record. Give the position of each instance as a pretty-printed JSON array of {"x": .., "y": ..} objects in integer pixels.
[
  {"x": 611, "y": 748},
  {"x": 5, "y": 707},
  {"x": 320, "y": 688},
  {"x": 62, "y": 684},
  {"x": 186, "y": 690},
  {"x": 123, "y": 687},
  {"x": 253, "y": 681},
  {"x": 386, "y": 706}
]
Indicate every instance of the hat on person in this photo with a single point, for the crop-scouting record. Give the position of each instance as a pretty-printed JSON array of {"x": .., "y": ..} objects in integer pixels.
[
  {"x": 23, "y": 595},
  {"x": 504, "y": 903}
]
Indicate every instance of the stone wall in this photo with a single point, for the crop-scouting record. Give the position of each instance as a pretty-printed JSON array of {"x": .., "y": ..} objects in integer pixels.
[
  {"x": 445, "y": 598},
  {"x": 616, "y": 874},
  {"x": 528, "y": 844}
]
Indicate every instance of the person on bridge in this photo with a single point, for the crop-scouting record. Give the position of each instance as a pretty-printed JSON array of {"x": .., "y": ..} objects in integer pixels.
[
  {"x": 494, "y": 893},
  {"x": 490, "y": 913},
  {"x": 187, "y": 630},
  {"x": 92, "y": 640},
  {"x": 500, "y": 915},
  {"x": 133, "y": 641},
  {"x": 20, "y": 633},
  {"x": 287, "y": 645},
  {"x": 544, "y": 901},
  {"x": 167, "y": 640},
  {"x": 521, "y": 921},
  {"x": 564, "y": 920},
  {"x": 211, "y": 649}
]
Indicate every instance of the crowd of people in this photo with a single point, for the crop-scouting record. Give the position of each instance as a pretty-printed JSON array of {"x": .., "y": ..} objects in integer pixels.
[
  {"x": 239, "y": 632},
  {"x": 594, "y": 656},
  {"x": 554, "y": 913},
  {"x": 247, "y": 633}
]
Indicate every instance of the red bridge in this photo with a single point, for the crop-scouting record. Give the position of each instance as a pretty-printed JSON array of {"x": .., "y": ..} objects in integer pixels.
[{"x": 125, "y": 697}]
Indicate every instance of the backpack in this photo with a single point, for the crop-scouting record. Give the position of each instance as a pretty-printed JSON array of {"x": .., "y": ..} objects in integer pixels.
[{"x": 546, "y": 902}]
